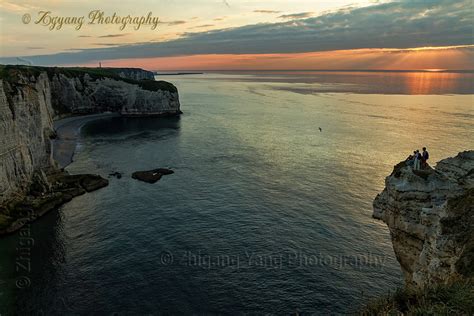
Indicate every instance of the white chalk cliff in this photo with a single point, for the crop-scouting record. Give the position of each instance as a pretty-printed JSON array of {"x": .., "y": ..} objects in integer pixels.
[
  {"x": 430, "y": 215},
  {"x": 31, "y": 98}
]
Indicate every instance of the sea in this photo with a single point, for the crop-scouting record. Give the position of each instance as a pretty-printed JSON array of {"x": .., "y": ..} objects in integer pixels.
[{"x": 269, "y": 209}]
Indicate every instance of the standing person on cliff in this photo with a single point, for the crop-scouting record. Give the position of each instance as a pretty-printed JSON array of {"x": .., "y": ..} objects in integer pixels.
[
  {"x": 425, "y": 156},
  {"x": 416, "y": 163}
]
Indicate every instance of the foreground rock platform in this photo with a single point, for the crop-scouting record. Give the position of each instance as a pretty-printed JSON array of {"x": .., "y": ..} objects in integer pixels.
[
  {"x": 49, "y": 190},
  {"x": 430, "y": 215},
  {"x": 151, "y": 176}
]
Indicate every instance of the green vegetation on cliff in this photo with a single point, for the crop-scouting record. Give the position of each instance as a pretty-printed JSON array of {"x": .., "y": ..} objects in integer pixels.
[
  {"x": 456, "y": 298},
  {"x": 10, "y": 74}
]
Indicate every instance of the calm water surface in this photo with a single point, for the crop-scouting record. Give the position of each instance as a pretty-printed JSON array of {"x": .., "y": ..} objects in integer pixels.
[{"x": 264, "y": 213}]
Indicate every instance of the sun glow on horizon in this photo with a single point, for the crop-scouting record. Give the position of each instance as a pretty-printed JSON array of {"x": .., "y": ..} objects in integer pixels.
[
  {"x": 423, "y": 59},
  {"x": 426, "y": 48},
  {"x": 434, "y": 70}
]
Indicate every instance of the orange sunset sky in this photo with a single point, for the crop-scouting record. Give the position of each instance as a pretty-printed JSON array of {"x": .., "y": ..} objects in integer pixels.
[
  {"x": 243, "y": 35},
  {"x": 423, "y": 59}
]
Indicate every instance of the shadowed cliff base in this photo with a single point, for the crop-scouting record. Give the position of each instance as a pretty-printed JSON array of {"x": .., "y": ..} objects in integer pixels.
[
  {"x": 67, "y": 133},
  {"x": 49, "y": 190}
]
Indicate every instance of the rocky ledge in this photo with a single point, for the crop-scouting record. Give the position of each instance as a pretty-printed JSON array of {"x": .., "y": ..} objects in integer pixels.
[
  {"x": 430, "y": 216},
  {"x": 50, "y": 189}
]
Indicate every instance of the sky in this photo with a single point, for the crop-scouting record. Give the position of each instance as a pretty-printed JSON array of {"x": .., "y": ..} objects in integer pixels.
[{"x": 242, "y": 34}]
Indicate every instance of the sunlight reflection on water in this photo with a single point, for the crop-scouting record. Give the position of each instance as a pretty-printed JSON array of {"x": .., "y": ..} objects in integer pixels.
[{"x": 254, "y": 177}]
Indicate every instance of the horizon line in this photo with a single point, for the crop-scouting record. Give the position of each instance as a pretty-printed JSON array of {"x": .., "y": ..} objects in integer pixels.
[{"x": 320, "y": 70}]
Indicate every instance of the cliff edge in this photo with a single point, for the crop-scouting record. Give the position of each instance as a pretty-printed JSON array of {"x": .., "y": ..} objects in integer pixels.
[{"x": 430, "y": 215}]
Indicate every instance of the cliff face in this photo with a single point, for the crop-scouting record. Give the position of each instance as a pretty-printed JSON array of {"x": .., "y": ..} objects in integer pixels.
[
  {"x": 85, "y": 95},
  {"x": 430, "y": 216},
  {"x": 32, "y": 97},
  {"x": 25, "y": 129}
]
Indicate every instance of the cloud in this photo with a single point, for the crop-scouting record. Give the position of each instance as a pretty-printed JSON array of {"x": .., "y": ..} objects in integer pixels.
[
  {"x": 106, "y": 44},
  {"x": 294, "y": 16},
  {"x": 9, "y": 6},
  {"x": 172, "y": 23},
  {"x": 203, "y": 26},
  {"x": 113, "y": 35},
  {"x": 266, "y": 11},
  {"x": 84, "y": 36},
  {"x": 405, "y": 24},
  {"x": 35, "y": 47},
  {"x": 220, "y": 19}
]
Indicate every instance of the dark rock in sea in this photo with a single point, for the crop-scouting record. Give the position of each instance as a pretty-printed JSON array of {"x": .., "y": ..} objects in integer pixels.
[
  {"x": 118, "y": 175},
  {"x": 151, "y": 176},
  {"x": 164, "y": 171}
]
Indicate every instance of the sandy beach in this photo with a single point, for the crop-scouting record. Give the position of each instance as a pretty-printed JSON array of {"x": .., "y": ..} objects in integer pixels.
[{"x": 68, "y": 131}]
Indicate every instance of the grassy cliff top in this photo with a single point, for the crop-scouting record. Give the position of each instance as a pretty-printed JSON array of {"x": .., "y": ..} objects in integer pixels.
[
  {"x": 455, "y": 298},
  {"x": 10, "y": 73}
]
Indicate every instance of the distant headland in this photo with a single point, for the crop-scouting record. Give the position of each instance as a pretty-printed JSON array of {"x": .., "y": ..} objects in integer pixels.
[{"x": 177, "y": 73}]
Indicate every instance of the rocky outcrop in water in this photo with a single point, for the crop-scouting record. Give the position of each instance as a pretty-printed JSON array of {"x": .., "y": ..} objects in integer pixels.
[
  {"x": 151, "y": 176},
  {"x": 430, "y": 215},
  {"x": 31, "y": 98}
]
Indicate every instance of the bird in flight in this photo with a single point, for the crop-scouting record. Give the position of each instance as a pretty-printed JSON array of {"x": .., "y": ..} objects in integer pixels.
[{"x": 320, "y": 129}]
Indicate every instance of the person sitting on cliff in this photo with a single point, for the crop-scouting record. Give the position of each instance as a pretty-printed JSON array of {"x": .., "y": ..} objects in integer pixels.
[
  {"x": 411, "y": 159},
  {"x": 425, "y": 157}
]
